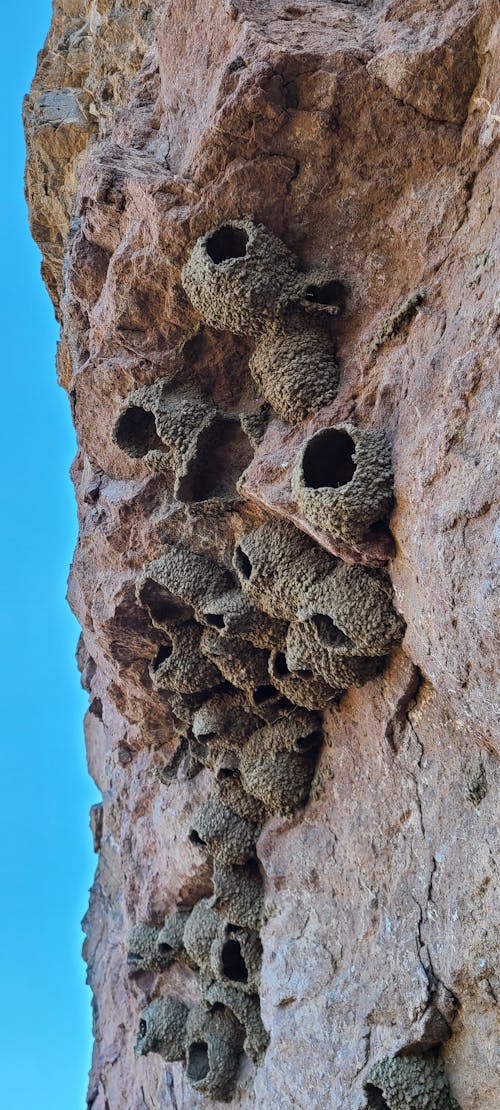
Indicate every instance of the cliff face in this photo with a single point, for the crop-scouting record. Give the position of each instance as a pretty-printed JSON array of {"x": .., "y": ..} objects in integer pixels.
[{"x": 363, "y": 136}]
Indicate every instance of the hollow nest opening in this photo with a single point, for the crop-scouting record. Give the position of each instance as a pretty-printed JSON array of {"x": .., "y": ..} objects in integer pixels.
[
  {"x": 227, "y": 773},
  {"x": 249, "y": 869},
  {"x": 280, "y": 665},
  {"x": 136, "y": 433},
  {"x": 206, "y": 737},
  {"x": 198, "y": 1065},
  {"x": 328, "y": 633},
  {"x": 226, "y": 243},
  {"x": 280, "y": 669},
  {"x": 215, "y": 620},
  {"x": 195, "y": 838},
  {"x": 328, "y": 460},
  {"x": 328, "y": 293},
  {"x": 264, "y": 693},
  {"x": 376, "y": 1100},
  {"x": 161, "y": 605},
  {"x": 312, "y": 740},
  {"x": 163, "y": 653},
  {"x": 223, "y": 453},
  {"x": 233, "y": 963},
  {"x": 242, "y": 563}
]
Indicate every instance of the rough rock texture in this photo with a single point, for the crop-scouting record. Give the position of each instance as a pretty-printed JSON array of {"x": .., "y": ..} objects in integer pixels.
[{"x": 364, "y": 136}]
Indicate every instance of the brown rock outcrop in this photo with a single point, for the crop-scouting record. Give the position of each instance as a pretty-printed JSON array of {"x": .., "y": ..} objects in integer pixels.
[{"x": 364, "y": 137}]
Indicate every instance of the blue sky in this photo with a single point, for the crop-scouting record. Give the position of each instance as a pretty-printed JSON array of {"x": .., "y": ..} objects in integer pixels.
[{"x": 46, "y": 859}]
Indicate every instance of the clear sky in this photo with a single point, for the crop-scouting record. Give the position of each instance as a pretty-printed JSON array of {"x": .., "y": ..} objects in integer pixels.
[{"x": 46, "y": 859}]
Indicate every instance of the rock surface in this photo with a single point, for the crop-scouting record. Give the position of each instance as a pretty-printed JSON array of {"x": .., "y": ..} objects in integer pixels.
[{"x": 365, "y": 136}]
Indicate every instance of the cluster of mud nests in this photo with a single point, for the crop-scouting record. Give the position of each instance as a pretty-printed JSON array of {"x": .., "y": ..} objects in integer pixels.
[{"x": 252, "y": 652}]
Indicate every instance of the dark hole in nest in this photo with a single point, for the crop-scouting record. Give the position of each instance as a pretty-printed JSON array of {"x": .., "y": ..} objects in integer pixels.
[
  {"x": 215, "y": 620},
  {"x": 134, "y": 957},
  {"x": 242, "y": 563},
  {"x": 331, "y": 293},
  {"x": 312, "y": 740},
  {"x": 161, "y": 605},
  {"x": 227, "y": 773},
  {"x": 284, "y": 704},
  {"x": 264, "y": 693},
  {"x": 223, "y": 453},
  {"x": 233, "y": 964},
  {"x": 250, "y": 868},
  {"x": 226, "y": 243},
  {"x": 280, "y": 665},
  {"x": 206, "y": 737},
  {"x": 195, "y": 838},
  {"x": 136, "y": 433},
  {"x": 376, "y": 1100},
  {"x": 328, "y": 459},
  {"x": 142, "y": 1028},
  {"x": 197, "y": 1062},
  {"x": 328, "y": 633},
  {"x": 163, "y": 653},
  {"x": 164, "y": 948}
]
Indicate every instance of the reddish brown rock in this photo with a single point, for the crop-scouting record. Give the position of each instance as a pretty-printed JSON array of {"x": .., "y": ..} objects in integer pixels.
[{"x": 364, "y": 135}]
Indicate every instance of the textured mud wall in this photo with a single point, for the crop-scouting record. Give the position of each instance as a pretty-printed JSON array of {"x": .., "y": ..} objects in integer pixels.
[{"x": 363, "y": 135}]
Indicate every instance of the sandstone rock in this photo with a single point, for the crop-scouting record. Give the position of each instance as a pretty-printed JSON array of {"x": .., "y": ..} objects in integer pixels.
[
  {"x": 435, "y": 78},
  {"x": 364, "y": 137}
]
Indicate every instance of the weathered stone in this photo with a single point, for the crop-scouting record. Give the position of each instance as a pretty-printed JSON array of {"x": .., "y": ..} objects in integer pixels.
[{"x": 363, "y": 137}]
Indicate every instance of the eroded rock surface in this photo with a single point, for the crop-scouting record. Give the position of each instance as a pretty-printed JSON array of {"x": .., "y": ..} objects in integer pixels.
[{"x": 364, "y": 136}]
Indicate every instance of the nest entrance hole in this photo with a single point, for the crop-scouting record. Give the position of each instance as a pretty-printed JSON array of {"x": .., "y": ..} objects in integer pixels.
[
  {"x": 198, "y": 1065},
  {"x": 227, "y": 243},
  {"x": 215, "y": 620},
  {"x": 327, "y": 293},
  {"x": 250, "y": 869},
  {"x": 328, "y": 633},
  {"x": 328, "y": 460},
  {"x": 233, "y": 964},
  {"x": 376, "y": 1100},
  {"x": 225, "y": 773},
  {"x": 312, "y": 740},
  {"x": 195, "y": 838},
  {"x": 163, "y": 653},
  {"x": 264, "y": 693},
  {"x": 136, "y": 432},
  {"x": 242, "y": 563},
  {"x": 161, "y": 605},
  {"x": 280, "y": 665},
  {"x": 223, "y": 453}
]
